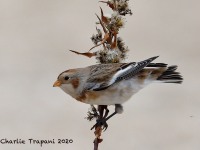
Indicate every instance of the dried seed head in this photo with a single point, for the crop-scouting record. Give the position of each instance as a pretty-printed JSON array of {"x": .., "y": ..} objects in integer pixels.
[
  {"x": 124, "y": 49},
  {"x": 114, "y": 49},
  {"x": 109, "y": 56},
  {"x": 121, "y": 45},
  {"x": 120, "y": 6},
  {"x": 123, "y": 7},
  {"x": 92, "y": 114},
  {"x": 97, "y": 38},
  {"x": 116, "y": 22}
]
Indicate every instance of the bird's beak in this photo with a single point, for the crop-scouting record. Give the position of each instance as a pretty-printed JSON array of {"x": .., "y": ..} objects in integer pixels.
[{"x": 57, "y": 83}]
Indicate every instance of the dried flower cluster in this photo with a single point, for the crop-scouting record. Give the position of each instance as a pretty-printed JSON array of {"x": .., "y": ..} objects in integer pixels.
[
  {"x": 92, "y": 113},
  {"x": 113, "y": 48},
  {"x": 120, "y": 6},
  {"x": 96, "y": 38}
]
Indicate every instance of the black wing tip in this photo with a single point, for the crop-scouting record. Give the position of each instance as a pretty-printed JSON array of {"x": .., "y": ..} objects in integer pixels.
[
  {"x": 153, "y": 58},
  {"x": 150, "y": 59},
  {"x": 157, "y": 65}
]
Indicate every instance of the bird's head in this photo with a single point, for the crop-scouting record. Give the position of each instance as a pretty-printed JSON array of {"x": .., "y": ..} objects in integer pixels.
[{"x": 68, "y": 81}]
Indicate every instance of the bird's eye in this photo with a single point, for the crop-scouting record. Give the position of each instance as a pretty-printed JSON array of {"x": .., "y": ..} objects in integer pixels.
[{"x": 66, "y": 78}]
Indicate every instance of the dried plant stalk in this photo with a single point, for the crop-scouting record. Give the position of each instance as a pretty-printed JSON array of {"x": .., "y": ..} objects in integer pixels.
[{"x": 113, "y": 49}]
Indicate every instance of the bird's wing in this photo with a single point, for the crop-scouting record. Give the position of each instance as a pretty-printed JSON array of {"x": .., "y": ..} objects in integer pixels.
[{"x": 104, "y": 75}]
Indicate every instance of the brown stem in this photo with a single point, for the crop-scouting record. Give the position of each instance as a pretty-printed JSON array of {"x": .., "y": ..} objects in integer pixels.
[
  {"x": 103, "y": 18},
  {"x": 106, "y": 37},
  {"x": 114, "y": 44},
  {"x": 102, "y": 25},
  {"x": 96, "y": 144},
  {"x": 111, "y": 5},
  {"x": 98, "y": 129}
]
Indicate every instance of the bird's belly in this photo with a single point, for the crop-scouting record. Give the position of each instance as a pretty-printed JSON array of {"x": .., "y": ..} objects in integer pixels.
[{"x": 117, "y": 94}]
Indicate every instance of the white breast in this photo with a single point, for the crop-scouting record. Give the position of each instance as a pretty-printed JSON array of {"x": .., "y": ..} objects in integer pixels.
[
  {"x": 118, "y": 93},
  {"x": 68, "y": 88}
]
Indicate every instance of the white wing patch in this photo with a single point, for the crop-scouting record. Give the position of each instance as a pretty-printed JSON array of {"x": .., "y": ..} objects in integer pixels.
[
  {"x": 121, "y": 71},
  {"x": 124, "y": 72}
]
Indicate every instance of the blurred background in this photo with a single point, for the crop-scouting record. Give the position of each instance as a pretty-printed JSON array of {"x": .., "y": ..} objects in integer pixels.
[{"x": 35, "y": 37}]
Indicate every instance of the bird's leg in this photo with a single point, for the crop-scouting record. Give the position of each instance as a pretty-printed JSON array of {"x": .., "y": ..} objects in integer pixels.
[
  {"x": 102, "y": 121},
  {"x": 106, "y": 112},
  {"x": 118, "y": 110},
  {"x": 101, "y": 111}
]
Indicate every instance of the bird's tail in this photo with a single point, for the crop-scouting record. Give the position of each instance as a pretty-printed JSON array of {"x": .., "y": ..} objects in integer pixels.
[{"x": 171, "y": 76}]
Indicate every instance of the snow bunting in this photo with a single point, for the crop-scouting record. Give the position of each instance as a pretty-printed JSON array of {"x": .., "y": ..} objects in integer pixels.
[{"x": 114, "y": 83}]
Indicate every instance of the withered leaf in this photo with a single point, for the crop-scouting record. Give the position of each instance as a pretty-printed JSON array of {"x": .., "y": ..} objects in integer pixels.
[
  {"x": 111, "y": 5},
  {"x": 88, "y": 54},
  {"x": 103, "y": 18}
]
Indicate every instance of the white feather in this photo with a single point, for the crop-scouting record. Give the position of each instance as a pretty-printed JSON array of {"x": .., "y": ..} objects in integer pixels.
[
  {"x": 119, "y": 73},
  {"x": 119, "y": 93}
]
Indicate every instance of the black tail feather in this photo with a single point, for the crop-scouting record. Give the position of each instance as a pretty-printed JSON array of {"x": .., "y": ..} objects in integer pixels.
[
  {"x": 171, "y": 76},
  {"x": 156, "y": 65}
]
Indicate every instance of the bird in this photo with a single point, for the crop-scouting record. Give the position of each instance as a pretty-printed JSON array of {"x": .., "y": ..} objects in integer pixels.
[{"x": 114, "y": 83}]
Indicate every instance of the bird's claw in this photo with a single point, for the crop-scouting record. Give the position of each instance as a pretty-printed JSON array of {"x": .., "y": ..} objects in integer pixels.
[
  {"x": 105, "y": 127},
  {"x": 101, "y": 123}
]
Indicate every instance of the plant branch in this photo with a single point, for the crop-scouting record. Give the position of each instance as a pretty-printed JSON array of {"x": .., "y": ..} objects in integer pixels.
[{"x": 113, "y": 50}]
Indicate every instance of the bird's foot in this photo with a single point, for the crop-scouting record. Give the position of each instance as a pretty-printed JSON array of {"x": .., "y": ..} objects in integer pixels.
[{"x": 101, "y": 123}]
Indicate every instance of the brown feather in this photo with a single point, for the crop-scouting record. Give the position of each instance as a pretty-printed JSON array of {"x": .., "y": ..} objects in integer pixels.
[{"x": 75, "y": 83}]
